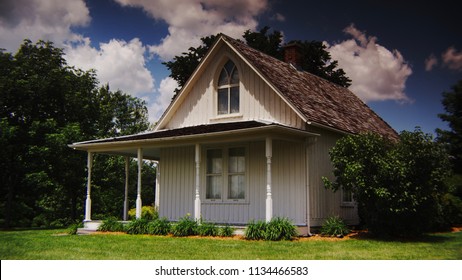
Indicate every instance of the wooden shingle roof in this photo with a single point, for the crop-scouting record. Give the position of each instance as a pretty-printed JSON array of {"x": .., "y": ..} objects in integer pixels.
[{"x": 321, "y": 102}]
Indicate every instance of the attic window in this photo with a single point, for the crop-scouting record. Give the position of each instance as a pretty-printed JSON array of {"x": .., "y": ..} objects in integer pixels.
[{"x": 228, "y": 90}]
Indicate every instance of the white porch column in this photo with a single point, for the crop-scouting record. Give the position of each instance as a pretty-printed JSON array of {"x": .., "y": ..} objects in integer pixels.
[
  {"x": 88, "y": 200},
  {"x": 127, "y": 171},
  {"x": 197, "y": 201},
  {"x": 269, "y": 199},
  {"x": 157, "y": 201},
  {"x": 138, "y": 196}
]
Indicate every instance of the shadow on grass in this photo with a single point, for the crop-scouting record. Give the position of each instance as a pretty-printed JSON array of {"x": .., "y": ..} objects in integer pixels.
[{"x": 424, "y": 238}]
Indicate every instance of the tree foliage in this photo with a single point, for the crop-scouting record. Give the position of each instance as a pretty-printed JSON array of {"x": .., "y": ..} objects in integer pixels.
[
  {"x": 452, "y": 102},
  {"x": 45, "y": 105},
  {"x": 398, "y": 186},
  {"x": 315, "y": 58}
]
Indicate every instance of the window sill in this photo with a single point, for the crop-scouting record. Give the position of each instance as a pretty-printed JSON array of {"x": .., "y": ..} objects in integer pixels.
[
  {"x": 227, "y": 116},
  {"x": 347, "y": 205}
]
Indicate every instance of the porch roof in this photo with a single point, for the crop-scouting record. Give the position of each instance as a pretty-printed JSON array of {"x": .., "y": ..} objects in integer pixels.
[{"x": 151, "y": 142}]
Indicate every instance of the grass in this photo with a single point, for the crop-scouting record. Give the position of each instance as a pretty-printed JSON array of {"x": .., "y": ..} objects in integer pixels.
[{"x": 52, "y": 245}]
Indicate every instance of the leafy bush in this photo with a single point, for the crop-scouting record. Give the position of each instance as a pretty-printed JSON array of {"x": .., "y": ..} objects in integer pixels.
[
  {"x": 226, "y": 231},
  {"x": 398, "y": 185},
  {"x": 159, "y": 227},
  {"x": 185, "y": 227},
  {"x": 207, "y": 229},
  {"x": 255, "y": 230},
  {"x": 147, "y": 212},
  {"x": 276, "y": 229},
  {"x": 72, "y": 229},
  {"x": 111, "y": 225},
  {"x": 334, "y": 226},
  {"x": 280, "y": 229},
  {"x": 137, "y": 226}
]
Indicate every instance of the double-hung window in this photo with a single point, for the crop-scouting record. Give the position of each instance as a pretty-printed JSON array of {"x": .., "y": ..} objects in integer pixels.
[
  {"x": 228, "y": 90},
  {"x": 347, "y": 198},
  {"x": 226, "y": 174}
]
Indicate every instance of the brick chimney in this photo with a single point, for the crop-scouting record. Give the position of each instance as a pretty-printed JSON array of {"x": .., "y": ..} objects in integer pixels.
[{"x": 292, "y": 55}]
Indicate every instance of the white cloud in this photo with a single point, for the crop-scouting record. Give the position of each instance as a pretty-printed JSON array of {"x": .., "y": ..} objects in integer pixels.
[
  {"x": 166, "y": 92},
  {"x": 377, "y": 73},
  {"x": 119, "y": 63},
  {"x": 452, "y": 59},
  {"x": 189, "y": 20},
  {"x": 430, "y": 62},
  {"x": 40, "y": 20},
  {"x": 278, "y": 17}
]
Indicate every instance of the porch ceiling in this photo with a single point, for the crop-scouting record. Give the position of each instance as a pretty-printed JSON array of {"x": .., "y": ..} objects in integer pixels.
[{"x": 152, "y": 142}]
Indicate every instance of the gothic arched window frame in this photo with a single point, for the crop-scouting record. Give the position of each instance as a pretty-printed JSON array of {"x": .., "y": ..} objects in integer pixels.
[{"x": 228, "y": 89}]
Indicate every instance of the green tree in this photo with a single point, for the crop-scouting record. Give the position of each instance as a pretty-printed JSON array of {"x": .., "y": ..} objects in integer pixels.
[
  {"x": 269, "y": 43},
  {"x": 398, "y": 186},
  {"x": 46, "y": 104},
  {"x": 315, "y": 58},
  {"x": 452, "y": 102},
  {"x": 182, "y": 66}
]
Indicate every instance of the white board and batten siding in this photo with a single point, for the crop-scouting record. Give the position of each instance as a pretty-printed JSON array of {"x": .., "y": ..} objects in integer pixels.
[
  {"x": 258, "y": 101},
  {"x": 323, "y": 202},
  {"x": 289, "y": 185},
  {"x": 294, "y": 167}
]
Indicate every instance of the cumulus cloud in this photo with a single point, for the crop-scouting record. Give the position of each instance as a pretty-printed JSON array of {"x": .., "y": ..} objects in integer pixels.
[
  {"x": 278, "y": 17},
  {"x": 377, "y": 73},
  {"x": 452, "y": 59},
  {"x": 430, "y": 62},
  {"x": 165, "y": 94},
  {"x": 189, "y": 20},
  {"x": 119, "y": 63},
  {"x": 40, "y": 20}
]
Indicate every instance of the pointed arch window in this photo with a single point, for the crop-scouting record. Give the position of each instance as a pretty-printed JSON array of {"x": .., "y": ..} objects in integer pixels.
[{"x": 228, "y": 90}]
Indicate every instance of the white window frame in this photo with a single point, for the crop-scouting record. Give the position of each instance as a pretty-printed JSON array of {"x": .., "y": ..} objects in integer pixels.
[
  {"x": 346, "y": 203},
  {"x": 225, "y": 175},
  {"x": 229, "y": 86}
]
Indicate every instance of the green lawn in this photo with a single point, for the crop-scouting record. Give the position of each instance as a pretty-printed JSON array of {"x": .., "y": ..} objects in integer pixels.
[{"x": 51, "y": 245}]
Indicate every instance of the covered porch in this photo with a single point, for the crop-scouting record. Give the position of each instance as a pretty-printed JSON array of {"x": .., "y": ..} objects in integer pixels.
[{"x": 272, "y": 181}]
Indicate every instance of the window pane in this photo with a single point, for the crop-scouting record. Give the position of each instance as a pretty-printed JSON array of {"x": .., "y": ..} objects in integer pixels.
[
  {"x": 235, "y": 77},
  {"x": 214, "y": 185},
  {"x": 229, "y": 66},
  {"x": 347, "y": 196},
  {"x": 234, "y": 99},
  {"x": 223, "y": 101},
  {"x": 214, "y": 161},
  {"x": 236, "y": 188},
  {"x": 236, "y": 160},
  {"x": 223, "y": 80}
]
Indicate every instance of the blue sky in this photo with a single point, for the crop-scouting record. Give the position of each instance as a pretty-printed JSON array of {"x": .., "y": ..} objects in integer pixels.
[{"x": 400, "y": 56}]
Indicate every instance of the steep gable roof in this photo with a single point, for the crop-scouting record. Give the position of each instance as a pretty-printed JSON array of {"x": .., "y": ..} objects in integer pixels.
[{"x": 321, "y": 102}]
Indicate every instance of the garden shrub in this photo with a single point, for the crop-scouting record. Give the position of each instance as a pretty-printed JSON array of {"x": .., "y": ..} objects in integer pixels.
[
  {"x": 334, "y": 226},
  {"x": 111, "y": 225},
  {"x": 207, "y": 229},
  {"x": 280, "y": 229},
  {"x": 255, "y": 230},
  {"x": 159, "y": 227},
  {"x": 397, "y": 185},
  {"x": 185, "y": 227},
  {"x": 147, "y": 212},
  {"x": 275, "y": 230},
  {"x": 72, "y": 229},
  {"x": 226, "y": 231},
  {"x": 137, "y": 226}
]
